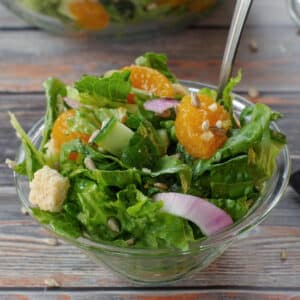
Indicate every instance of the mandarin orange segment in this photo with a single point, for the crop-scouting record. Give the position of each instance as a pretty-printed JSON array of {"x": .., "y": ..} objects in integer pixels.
[
  {"x": 150, "y": 80},
  {"x": 201, "y": 129},
  {"x": 90, "y": 15},
  {"x": 60, "y": 134}
]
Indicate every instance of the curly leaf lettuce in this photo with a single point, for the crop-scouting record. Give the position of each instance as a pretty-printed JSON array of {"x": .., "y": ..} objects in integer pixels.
[
  {"x": 110, "y": 91},
  {"x": 156, "y": 61},
  {"x": 55, "y": 90},
  {"x": 34, "y": 160}
]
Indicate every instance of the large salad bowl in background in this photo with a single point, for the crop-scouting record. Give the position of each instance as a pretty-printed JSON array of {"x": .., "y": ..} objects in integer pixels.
[
  {"x": 110, "y": 18},
  {"x": 164, "y": 265}
]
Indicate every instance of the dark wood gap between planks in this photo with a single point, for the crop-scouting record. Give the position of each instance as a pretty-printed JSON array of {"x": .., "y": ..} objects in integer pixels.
[{"x": 155, "y": 289}]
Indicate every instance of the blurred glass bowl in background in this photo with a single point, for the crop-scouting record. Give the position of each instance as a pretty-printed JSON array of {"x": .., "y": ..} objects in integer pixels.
[
  {"x": 115, "y": 18},
  {"x": 164, "y": 265}
]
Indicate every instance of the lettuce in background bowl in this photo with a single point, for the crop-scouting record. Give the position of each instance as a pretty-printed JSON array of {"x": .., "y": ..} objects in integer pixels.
[{"x": 107, "y": 18}]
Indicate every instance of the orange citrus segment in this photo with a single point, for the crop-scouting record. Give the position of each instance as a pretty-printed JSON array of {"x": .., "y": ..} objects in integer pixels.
[
  {"x": 201, "y": 130},
  {"x": 150, "y": 80},
  {"x": 90, "y": 15},
  {"x": 60, "y": 134}
]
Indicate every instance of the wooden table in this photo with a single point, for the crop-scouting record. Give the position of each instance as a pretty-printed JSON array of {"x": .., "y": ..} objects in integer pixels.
[{"x": 252, "y": 268}]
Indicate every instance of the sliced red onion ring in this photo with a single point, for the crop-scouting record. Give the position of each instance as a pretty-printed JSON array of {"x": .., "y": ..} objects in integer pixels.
[
  {"x": 160, "y": 105},
  {"x": 72, "y": 103},
  {"x": 204, "y": 214}
]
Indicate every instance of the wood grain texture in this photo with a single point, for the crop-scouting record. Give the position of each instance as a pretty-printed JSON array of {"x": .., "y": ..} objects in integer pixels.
[
  {"x": 153, "y": 295},
  {"x": 29, "y": 260},
  {"x": 252, "y": 268},
  {"x": 194, "y": 54}
]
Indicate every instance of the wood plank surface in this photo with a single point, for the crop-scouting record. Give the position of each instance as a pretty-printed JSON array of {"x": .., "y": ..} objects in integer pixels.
[
  {"x": 194, "y": 54},
  {"x": 252, "y": 268},
  {"x": 150, "y": 295},
  {"x": 245, "y": 264}
]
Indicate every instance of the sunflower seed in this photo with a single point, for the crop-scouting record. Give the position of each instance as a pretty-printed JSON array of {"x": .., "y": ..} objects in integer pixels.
[
  {"x": 89, "y": 163},
  {"x": 93, "y": 136},
  {"x": 253, "y": 45},
  {"x": 205, "y": 125},
  {"x": 10, "y": 163},
  {"x": 113, "y": 224},
  {"x": 207, "y": 136},
  {"x": 283, "y": 255},
  {"x": 179, "y": 89},
  {"x": 219, "y": 124},
  {"x": 237, "y": 121},
  {"x": 160, "y": 185},
  {"x": 51, "y": 241},
  {"x": 213, "y": 107},
  {"x": 253, "y": 93},
  {"x": 130, "y": 242},
  {"x": 24, "y": 211},
  {"x": 51, "y": 282},
  {"x": 195, "y": 99}
]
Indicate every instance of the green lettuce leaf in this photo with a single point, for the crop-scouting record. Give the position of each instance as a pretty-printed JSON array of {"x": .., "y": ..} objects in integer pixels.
[
  {"x": 102, "y": 161},
  {"x": 262, "y": 157},
  {"x": 172, "y": 165},
  {"x": 62, "y": 223},
  {"x": 85, "y": 120},
  {"x": 235, "y": 208},
  {"x": 151, "y": 227},
  {"x": 144, "y": 148},
  {"x": 111, "y": 91},
  {"x": 226, "y": 100},
  {"x": 231, "y": 179},
  {"x": 156, "y": 61},
  {"x": 116, "y": 178},
  {"x": 55, "y": 91},
  {"x": 259, "y": 118},
  {"x": 34, "y": 159}
]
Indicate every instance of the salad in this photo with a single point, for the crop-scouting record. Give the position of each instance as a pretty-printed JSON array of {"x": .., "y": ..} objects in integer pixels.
[
  {"x": 132, "y": 158},
  {"x": 97, "y": 15}
]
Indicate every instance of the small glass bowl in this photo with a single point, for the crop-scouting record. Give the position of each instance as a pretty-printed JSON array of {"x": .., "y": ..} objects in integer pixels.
[
  {"x": 152, "y": 19},
  {"x": 160, "y": 266}
]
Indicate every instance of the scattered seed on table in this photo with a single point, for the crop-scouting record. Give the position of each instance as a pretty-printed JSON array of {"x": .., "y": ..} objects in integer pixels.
[
  {"x": 253, "y": 93},
  {"x": 51, "y": 282},
  {"x": 24, "y": 211},
  {"x": 253, "y": 46},
  {"x": 51, "y": 241},
  {"x": 283, "y": 255}
]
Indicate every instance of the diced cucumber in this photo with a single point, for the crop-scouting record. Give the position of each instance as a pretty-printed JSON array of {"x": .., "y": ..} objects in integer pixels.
[{"x": 113, "y": 137}]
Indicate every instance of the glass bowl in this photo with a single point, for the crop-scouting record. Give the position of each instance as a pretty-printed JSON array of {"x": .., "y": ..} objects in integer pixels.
[
  {"x": 164, "y": 265},
  {"x": 110, "y": 18}
]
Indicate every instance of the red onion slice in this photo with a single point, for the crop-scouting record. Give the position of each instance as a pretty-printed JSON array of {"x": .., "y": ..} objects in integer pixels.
[
  {"x": 160, "y": 105},
  {"x": 72, "y": 103},
  {"x": 204, "y": 214}
]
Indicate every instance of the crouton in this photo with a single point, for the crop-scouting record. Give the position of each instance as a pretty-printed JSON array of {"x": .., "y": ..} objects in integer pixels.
[{"x": 48, "y": 189}]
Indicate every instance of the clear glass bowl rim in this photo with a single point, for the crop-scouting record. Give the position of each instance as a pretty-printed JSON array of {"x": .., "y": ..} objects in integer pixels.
[{"x": 257, "y": 213}]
